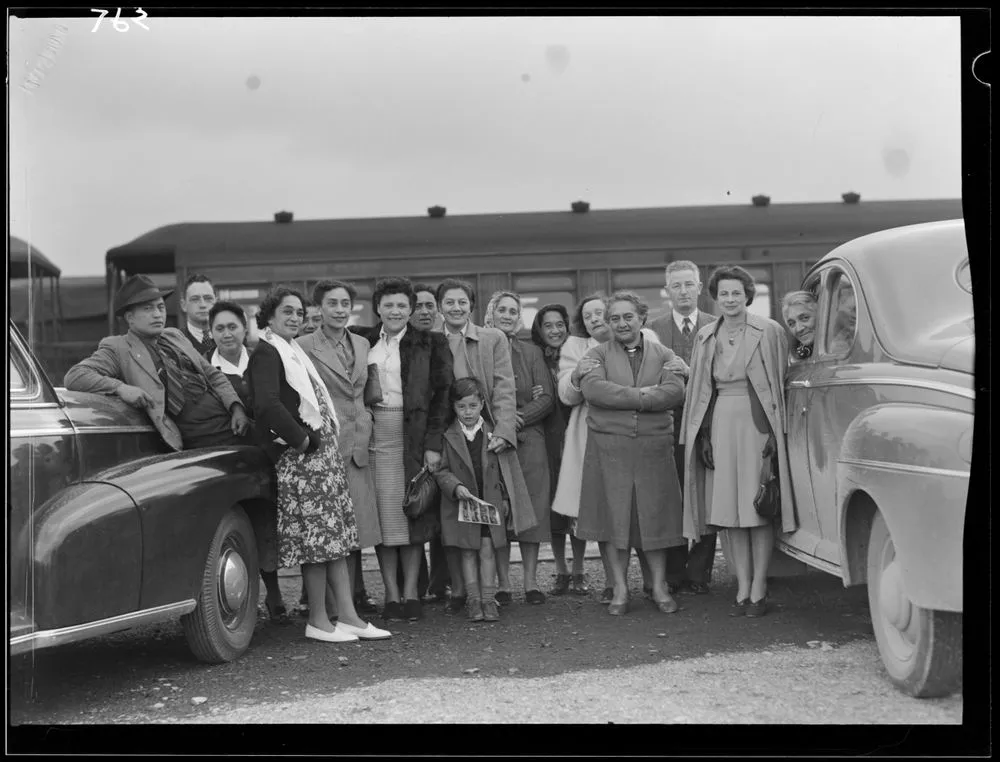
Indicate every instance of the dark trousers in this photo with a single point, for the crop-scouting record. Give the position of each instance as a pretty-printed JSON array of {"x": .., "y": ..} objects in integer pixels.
[{"x": 694, "y": 565}]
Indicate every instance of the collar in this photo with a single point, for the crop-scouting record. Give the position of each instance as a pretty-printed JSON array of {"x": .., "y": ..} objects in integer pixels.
[
  {"x": 384, "y": 337},
  {"x": 227, "y": 367},
  {"x": 470, "y": 433},
  {"x": 464, "y": 332},
  {"x": 196, "y": 331},
  {"x": 346, "y": 338},
  {"x": 754, "y": 321},
  {"x": 679, "y": 320},
  {"x": 637, "y": 349}
]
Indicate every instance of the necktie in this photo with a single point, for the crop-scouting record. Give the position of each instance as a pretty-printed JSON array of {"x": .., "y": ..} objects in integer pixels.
[
  {"x": 457, "y": 343},
  {"x": 171, "y": 369},
  {"x": 342, "y": 354},
  {"x": 687, "y": 327}
]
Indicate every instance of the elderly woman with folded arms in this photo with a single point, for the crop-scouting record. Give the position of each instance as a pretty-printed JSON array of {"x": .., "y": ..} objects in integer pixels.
[{"x": 630, "y": 494}]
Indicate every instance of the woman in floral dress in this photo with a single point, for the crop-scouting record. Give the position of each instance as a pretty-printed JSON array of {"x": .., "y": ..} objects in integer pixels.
[{"x": 296, "y": 423}]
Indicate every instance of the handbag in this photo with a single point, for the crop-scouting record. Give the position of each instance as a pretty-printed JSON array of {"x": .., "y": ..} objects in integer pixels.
[
  {"x": 422, "y": 494},
  {"x": 767, "y": 502},
  {"x": 373, "y": 387}
]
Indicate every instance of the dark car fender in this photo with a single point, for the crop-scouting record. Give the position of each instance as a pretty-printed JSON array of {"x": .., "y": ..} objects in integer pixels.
[
  {"x": 903, "y": 460},
  {"x": 181, "y": 498}
]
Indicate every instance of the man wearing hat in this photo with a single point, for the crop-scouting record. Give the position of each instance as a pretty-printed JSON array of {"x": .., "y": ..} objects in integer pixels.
[{"x": 156, "y": 369}]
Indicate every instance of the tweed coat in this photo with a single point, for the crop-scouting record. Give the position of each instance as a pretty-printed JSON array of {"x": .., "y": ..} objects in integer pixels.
[
  {"x": 767, "y": 358},
  {"x": 567, "y": 498},
  {"x": 126, "y": 359},
  {"x": 346, "y": 390},
  {"x": 426, "y": 371},
  {"x": 489, "y": 358},
  {"x": 456, "y": 468}
]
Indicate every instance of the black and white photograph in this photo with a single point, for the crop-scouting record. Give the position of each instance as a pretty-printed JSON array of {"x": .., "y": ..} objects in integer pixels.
[{"x": 689, "y": 295}]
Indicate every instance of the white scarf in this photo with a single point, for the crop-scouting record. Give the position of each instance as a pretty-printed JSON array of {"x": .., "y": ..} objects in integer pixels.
[
  {"x": 298, "y": 370},
  {"x": 470, "y": 434},
  {"x": 227, "y": 367}
]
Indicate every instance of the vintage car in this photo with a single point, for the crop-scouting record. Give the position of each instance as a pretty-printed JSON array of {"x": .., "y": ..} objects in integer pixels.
[
  {"x": 879, "y": 427},
  {"x": 110, "y": 529}
]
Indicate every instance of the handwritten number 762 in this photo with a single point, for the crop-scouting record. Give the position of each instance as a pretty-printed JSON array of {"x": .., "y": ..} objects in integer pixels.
[{"x": 119, "y": 24}]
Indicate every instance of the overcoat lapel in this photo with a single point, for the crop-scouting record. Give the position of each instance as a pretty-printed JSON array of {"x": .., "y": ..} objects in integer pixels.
[
  {"x": 754, "y": 332},
  {"x": 457, "y": 441},
  {"x": 360, "y": 350},
  {"x": 140, "y": 353},
  {"x": 324, "y": 352}
]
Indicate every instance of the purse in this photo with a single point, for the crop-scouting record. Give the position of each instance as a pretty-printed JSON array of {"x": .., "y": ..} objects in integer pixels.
[
  {"x": 373, "y": 387},
  {"x": 767, "y": 502},
  {"x": 422, "y": 495}
]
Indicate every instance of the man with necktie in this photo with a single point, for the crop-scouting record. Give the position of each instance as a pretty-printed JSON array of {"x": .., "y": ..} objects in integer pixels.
[
  {"x": 688, "y": 571},
  {"x": 196, "y": 302},
  {"x": 156, "y": 369}
]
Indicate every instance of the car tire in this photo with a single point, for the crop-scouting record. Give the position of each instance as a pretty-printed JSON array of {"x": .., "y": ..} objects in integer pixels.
[
  {"x": 222, "y": 624},
  {"x": 920, "y": 648}
]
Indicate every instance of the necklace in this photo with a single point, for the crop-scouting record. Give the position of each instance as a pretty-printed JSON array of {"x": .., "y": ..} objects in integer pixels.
[{"x": 731, "y": 335}]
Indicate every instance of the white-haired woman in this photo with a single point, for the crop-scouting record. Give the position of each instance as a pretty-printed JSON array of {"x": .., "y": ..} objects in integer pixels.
[{"x": 798, "y": 311}]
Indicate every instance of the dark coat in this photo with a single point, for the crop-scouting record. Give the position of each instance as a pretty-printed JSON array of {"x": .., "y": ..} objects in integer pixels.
[
  {"x": 201, "y": 347},
  {"x": 275, "y": 404},
  {"x": 426, "y": 370}
]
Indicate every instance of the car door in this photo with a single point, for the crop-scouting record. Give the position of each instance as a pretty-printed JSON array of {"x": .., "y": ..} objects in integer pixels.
[
  {"x": 75, "y": 545},
  {"x": 844, "y": 342},
  {"x": 797, "y": 390}
]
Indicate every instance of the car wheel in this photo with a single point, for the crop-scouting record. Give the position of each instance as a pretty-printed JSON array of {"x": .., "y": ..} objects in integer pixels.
[
  {"x": 222, "y": 624},
  {"x": 920, "y": 648}
]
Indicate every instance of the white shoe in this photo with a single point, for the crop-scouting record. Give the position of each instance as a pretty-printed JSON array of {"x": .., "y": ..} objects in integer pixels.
[
  {"x": 370, "y": 632},
  {"x": 337, "y": 636}
]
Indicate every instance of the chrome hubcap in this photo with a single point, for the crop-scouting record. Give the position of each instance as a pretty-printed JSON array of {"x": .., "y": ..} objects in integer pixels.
[
  {"x": 234, "y": 583},
  {"x": 896, "y": 611}
]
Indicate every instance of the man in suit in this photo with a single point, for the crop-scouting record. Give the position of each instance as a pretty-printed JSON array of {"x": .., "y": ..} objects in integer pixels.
[
  {"x": 156, "y": 369},
  {"x": 688, "y": 571},
  {"x": 196, "y": 302}
]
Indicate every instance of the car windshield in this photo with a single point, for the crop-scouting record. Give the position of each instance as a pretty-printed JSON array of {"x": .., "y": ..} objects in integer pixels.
[{"x": 914, "y": 292}]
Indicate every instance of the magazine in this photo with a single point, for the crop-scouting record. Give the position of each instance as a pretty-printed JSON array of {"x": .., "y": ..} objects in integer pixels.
[{"x": 476, "y": 511}]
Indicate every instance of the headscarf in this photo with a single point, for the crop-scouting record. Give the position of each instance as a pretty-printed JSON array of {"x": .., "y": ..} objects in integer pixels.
[{"x": 491, "y": 306}]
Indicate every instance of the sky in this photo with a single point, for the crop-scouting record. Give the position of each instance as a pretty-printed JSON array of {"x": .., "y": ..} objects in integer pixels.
[{"x": 113, "y": 134}]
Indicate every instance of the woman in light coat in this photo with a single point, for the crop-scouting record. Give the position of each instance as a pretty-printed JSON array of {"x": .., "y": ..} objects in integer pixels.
[{"x": 734, "y": 416}]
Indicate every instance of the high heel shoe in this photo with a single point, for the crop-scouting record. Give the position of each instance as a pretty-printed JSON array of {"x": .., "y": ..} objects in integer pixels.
[
  {"x": 739, "y": 608},
  {"x": 757, "y": 608},
  {"x": 668, "y": 606},
  {"x": 618, "y": 609}
]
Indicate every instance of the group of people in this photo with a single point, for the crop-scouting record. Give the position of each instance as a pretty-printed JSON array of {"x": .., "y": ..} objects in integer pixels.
[{"x": 598, "y": 427}]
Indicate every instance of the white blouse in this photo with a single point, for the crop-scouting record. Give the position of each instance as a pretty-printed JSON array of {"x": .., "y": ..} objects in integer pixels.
[
  {"x": 385, "y": 355},
  {"x": 227, "y": 367}
]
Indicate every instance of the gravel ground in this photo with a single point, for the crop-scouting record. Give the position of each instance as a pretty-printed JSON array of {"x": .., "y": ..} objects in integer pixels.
[
  {"x": 811, "y": 660},
  {"x": 781, "y": 686}
]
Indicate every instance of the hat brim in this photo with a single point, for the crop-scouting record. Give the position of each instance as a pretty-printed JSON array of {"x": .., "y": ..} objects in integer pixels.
[{"x": 143, "y": 296}]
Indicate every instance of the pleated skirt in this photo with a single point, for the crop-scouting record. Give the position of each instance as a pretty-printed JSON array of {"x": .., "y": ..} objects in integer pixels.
[
  {"x": 386, "y": 462},
  {"x": 737, "y": 448}
]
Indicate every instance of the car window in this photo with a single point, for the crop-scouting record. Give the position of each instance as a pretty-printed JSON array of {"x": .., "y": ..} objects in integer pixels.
[
  {"x": 843, "y": 315},
  {"x": 17, "y": 383}
]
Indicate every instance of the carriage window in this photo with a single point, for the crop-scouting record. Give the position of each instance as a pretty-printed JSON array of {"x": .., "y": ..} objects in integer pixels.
[
  {"x": 650, "y": 285},
  {"x": 530, "y": 302},
  {"x": 761, "y": 300},
  {"x": 843, "y": 316}
]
